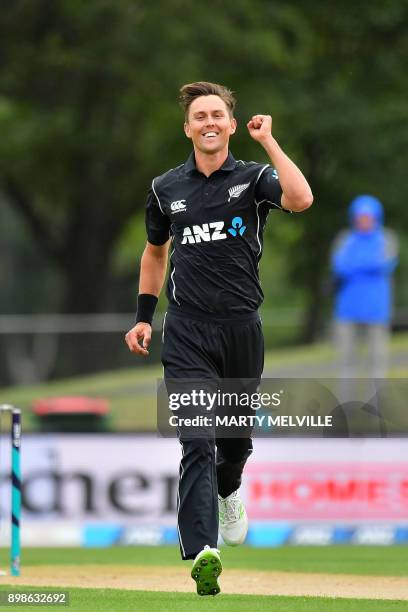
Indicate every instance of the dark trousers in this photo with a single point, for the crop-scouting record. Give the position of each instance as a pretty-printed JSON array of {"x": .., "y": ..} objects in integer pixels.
[{"x": 209, "y": 350}]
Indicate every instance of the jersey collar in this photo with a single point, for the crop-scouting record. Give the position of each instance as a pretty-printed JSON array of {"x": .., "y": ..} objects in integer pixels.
[{"x": 227, "y": 166}]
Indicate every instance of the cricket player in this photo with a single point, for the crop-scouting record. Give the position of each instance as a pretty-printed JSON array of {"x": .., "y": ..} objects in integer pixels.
[{"x": 211, "y": 212}]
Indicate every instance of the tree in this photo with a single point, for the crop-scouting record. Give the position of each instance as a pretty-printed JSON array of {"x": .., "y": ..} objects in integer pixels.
[
  {"x": 76, "y": 117},
  {"x": 88, "y": 115}
]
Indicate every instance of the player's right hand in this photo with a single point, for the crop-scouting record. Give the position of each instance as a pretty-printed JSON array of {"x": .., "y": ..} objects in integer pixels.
[{"x": 138, "y": 338}]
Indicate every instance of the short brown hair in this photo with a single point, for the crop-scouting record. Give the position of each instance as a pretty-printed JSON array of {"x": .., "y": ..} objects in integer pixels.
[{"x": 191, "y": 91}]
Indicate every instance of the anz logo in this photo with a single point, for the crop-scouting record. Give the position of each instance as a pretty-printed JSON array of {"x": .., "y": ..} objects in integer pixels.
[
  {"x": 208, "y": 232},
  {"x": 237, "y": 227}
]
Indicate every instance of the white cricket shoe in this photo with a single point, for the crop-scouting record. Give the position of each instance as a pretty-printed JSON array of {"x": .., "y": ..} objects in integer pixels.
[
  {"x": 233, "y": 519},
  {"x": 205, "y": 571}
]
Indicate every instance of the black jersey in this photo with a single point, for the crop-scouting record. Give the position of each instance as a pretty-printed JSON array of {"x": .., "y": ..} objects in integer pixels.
[{"x": 216, "y": 226}]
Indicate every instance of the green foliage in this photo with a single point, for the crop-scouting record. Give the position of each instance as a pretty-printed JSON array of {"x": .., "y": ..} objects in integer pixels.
[{"x": 88, "y": 115}]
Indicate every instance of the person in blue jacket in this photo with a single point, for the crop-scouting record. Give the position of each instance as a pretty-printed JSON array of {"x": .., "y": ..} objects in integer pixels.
[{"x": 363, "y": 261}]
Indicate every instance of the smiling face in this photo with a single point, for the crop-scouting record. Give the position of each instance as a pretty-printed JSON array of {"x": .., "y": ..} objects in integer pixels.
[{"x": 209, "y": 124}]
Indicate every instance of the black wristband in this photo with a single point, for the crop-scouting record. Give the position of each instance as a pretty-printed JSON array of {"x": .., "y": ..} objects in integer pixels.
[{"x": 146, "y": 305}]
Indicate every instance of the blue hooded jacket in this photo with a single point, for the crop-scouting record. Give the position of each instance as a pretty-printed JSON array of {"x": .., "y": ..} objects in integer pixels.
[{"x": 363, "y": 263}]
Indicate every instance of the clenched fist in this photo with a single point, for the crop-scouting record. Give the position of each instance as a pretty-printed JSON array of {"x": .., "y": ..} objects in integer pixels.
[
  {"x": 260, "y": 127},
  {"x": 140, "y": 333}
]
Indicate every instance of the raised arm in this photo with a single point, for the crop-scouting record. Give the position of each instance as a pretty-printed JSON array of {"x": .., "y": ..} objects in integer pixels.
[{"x": 297, "y": 195}]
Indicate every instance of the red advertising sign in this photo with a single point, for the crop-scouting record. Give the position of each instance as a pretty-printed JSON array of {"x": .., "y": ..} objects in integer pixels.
[{"x": 338, "y": 490}]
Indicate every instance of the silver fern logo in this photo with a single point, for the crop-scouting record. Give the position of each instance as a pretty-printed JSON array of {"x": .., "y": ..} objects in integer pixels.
[{"x": 235, "y": 192}]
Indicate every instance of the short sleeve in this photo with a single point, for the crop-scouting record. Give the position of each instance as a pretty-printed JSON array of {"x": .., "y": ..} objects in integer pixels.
[
  {"x": 157, "y": 222},
  {"x": 268, "y": 188}
]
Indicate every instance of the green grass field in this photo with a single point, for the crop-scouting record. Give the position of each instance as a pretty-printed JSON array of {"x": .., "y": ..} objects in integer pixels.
[
  {"x": 96, "y": 600},
  {"x": 361, "y": 560},
  {"x": 132, "y": 396},
  {"x": 354, "y": 561}
]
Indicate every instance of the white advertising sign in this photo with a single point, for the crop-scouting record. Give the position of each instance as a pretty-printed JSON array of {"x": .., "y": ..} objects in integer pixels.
[{"x": 132, "y": 479}]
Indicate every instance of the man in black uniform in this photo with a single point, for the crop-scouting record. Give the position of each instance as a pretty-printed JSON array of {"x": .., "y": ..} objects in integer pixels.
[{"x": 211, "y": 211}]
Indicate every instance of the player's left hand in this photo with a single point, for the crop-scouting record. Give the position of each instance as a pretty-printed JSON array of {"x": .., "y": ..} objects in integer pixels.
[{"x": 260, "y": 127}]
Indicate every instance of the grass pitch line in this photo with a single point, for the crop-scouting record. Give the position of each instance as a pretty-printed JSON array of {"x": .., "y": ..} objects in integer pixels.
[{"x": 233, "y": 581}]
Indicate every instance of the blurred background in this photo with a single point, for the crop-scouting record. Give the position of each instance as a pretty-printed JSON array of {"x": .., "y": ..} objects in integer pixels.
[{"x": 88, "y": 116}]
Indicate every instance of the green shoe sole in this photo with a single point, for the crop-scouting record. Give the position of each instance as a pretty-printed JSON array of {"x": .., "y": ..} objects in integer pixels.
[{"x": 205, "y": 572}]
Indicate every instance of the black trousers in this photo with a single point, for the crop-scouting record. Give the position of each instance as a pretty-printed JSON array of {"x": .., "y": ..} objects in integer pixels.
[{"x": 203, "y": 349}]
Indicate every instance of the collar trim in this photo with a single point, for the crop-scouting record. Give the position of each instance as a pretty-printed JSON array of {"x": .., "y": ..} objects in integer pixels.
[{"x": 229, "y": 164}]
